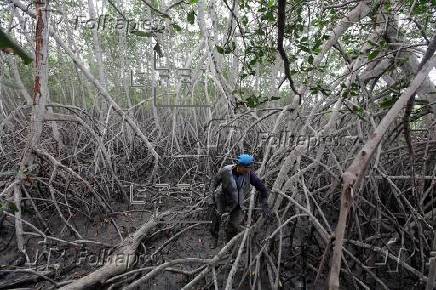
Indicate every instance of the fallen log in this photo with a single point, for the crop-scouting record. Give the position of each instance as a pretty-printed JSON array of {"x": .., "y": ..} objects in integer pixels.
[{"x": 123, "y": 258}]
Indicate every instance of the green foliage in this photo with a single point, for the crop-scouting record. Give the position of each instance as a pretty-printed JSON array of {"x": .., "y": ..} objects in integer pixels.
[
  {"x": 176, "y": 27},
  {"x": 373, "y": 54},
  {"x": 316, "y": 48},
  {"x": 191, "y": 17},
  {"x": 320, "y": 23},
  {"x": 227, "y": 49},
  {"x": 359, "y": 111},
  {"x": 310, "y": 59},
  {"x": 10, "y": 206},
  {"x": 307, "y": 28},
  {"x": 6, "y": 42},
  {"x": 422, "y": 7},
  {"x": 353, "y": 90},
  {"x": 387, "y": 103},
  {"x": 253, "y": 100},
  {"x": 272, "y": 3},
  {"x": 319, "y": 88},
  {"x": 220, "y": 49},
  {"x": 269, "y": 16},
  {"x": 378, "y": 47}
]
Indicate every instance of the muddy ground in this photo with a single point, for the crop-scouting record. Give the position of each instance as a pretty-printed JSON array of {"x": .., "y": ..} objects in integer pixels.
[{"x": 66, "y": 262}]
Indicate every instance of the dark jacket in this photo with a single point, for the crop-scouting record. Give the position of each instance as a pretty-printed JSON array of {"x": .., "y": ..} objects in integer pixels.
[{"x": 227, "y": 177}]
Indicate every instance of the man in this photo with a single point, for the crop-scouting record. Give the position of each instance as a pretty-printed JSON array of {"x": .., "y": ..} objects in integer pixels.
[{"x": 235, "y": 180}]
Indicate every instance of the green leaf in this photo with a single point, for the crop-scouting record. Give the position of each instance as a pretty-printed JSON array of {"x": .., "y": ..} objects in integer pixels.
[
  {"x": 7, "y": 42},
  {"x": 310, "y": 59},
  {"x": 176, "y": 27},
  {"x": 13, "y": 207},
  {"x": 244, "y": 20},
  {"x": 317, "y": 43},
  {"x": 373, "y": 54},
  {"x": 359, "y": 112},
  {"x": 142, "y": 33},
  {"x": 164, "y": 15},
  {"x": 230, "y": 48},
  {"x": 193, "y": 1},
  {"x": 420, "y": 8},
  {"x": 219, "y": 49},
  {"x": 345, "y": 94},
  {"x": 304, "y": 48},
  {"x": 191, "y": 17},
  {"x": 325, "y": 91},
  {"x": 387, "y": 103},
  {"x": 271, "y": 3},
  {"x": 269, "y": 16},
  {"x": 260, "y": 31},
  {"x": 252, "y": 101},
  {"x": 359, "y": 109},
  {"x": 314, "y": 90}
]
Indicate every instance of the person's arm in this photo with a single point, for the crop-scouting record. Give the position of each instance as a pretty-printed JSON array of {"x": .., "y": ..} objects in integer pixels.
[
  {"x": 216, "y": 181},
  {"x": 263, "y": 197},
  {"x": 260, "y": 186}
]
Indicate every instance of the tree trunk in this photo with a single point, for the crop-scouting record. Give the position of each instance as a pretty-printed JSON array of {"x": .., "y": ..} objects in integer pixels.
[
  {"x": 353, "y": 175},
  {"x": 40, "y": 92}
]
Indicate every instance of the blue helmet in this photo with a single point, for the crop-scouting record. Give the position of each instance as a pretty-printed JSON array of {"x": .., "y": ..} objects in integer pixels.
[{"x": 245, "y": 160}]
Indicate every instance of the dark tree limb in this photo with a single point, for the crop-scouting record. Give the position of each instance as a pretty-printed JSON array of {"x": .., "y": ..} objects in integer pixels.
[
  {"x": 409, "y": 107},
  {"x": 281, "y": 20}
]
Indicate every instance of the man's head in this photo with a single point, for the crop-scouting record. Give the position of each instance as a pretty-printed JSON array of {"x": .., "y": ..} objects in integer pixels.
[{"x": 244, "y": 163}]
